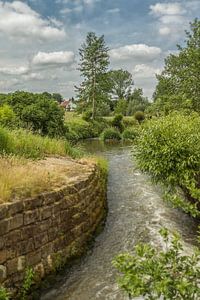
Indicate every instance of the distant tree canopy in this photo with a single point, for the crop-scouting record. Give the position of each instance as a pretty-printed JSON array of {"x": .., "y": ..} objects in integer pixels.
[
  {"x": 179, "y": 85},
  {"x": 121, "y": 82},
  {"x": 137, "y": 102},
  {"x": 38, "y": 112}
]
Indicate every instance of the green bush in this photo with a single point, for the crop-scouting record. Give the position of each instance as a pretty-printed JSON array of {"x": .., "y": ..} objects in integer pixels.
[
  {"x": 167, "y": 274},
  {"x": 169, "y": 150},
  {"x": 7, "y": 116},
  {"x": 110, "y": 134},
  {"x": 87, "y": 115},
  {"x": 79, "y": 129},
  {"x": 139, "y": 116},
  {"x": 117, "y": 122},
  {"x": 129, "y": 121},
  {"x": 130, "y": 133},
  {"x": 4, "y": 295}
]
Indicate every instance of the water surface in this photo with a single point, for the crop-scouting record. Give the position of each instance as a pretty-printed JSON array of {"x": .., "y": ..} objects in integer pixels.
[{"x": 136, "y": 213}]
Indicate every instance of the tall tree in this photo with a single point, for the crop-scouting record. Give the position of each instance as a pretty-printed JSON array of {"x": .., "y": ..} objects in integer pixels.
[
  {"x": 137, "y": 101},
  {"x": 182, "y": 71},
  {"x": 121, "y": 82},
  {"x": 94, "y": 61}
]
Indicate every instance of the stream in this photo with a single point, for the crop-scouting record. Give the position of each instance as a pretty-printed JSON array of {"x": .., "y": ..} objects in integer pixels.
[{"x": 136, "y": 212}]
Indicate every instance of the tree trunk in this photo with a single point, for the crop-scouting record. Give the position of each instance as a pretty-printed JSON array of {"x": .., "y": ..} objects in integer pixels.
[{"x": 93, "y": 96}]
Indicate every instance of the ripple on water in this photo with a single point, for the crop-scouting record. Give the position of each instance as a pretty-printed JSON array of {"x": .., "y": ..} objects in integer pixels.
[{"x": 136, "y": 213}]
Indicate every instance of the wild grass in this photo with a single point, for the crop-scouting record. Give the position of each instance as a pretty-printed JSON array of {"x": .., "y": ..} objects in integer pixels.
[
  {"x": 21, "y": 178},
  {"x": 29, "y": 145}
]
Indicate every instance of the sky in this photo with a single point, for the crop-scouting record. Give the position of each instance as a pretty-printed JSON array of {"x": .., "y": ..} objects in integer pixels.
[{"x": 39, "y": 39}]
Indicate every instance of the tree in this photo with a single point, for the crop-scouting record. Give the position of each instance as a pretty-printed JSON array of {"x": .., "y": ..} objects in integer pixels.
[
  {"x": 121, "y": 107},
  {"x": 58, "y": 97},
  {"x": 136, "y": 102},
  {"x": 121, "y": 83},
  {"x": 182, "y": 71},
  {"x": 38, "y": 112},
  {"x": 94, "y": 61}
]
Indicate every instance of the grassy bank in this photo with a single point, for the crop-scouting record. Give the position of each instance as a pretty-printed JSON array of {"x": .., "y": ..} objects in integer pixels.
[{"x": 26, "y": 144}]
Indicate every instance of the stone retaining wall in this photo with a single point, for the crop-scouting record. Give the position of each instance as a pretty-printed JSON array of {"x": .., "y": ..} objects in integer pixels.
[{"x": 45, "y": 231}]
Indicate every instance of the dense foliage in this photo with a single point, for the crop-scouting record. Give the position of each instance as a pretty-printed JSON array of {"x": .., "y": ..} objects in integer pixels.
[
  {"x": 94, "y": 61},
  {"x": 139, "y": 116},
  {"x": 117, "y": 122},
  {"x": 168, "y": 149},
  {"x": 130, "y": 133},
  {"x": 120, "y": 83},
  {"x": 110, "y": 134},
  {"x": 167, "y": 274},
  {"x": 38, "y": 112},
  {"x": 179, "y": 85}
]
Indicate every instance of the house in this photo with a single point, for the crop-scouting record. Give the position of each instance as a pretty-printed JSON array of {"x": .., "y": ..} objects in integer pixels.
[{"x": 68, "y": 105}]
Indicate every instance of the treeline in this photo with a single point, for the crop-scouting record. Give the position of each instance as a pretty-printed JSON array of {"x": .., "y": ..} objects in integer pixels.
[
  {"x": 169, "y": 145},
  {"x": 103, "y": 91},
  {"x": 178, "y": 85},
  {"x": 39, "y": 113}
]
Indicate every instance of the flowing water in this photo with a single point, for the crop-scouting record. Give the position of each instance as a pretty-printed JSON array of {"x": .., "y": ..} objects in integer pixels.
[{"x": 136, "y": 213}]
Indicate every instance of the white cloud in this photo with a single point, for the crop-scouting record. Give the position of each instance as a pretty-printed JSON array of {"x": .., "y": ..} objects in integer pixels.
[
  {"x": 113, "y": 10},
  {"x": 13, "y": 70},
  {"x": 19, "y": 21},
  {"x": 145, "y": 71},
  {"x": 173, "y": 18},
  {"x": 135, "y": 51},
  {"x": 164, "y": 31},
  {"x": 160, "y": 9},
  {"x": 53, "y": 59},
  {"x": 33, "y": 76}
]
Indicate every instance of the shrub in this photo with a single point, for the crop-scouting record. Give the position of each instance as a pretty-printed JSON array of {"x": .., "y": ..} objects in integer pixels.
[
  {"x": 130, "y": 133},
  {"x": 153, "y": 274},
  {"x": 7, "y": 116},
  {"x": 110, "y": 134},
  {"x": 139, "y": 116},
  {"x": 129, "y": 121},
  {"x": 169, "y": 150},
  {"x": 117, "y": 122},
  {"x": 79, "y": 129},
  {"x": 87, "y": 115},
  {"x": 4, "y": 295}
]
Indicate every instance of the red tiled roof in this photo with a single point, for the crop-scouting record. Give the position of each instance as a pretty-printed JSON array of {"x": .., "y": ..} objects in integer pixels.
[{"x": 65, "y": 103}]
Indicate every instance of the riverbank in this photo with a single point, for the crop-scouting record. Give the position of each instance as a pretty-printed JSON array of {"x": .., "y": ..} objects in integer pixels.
[
  {"x": 46, "y": 231},
  {"x": 136, "y": 212}
]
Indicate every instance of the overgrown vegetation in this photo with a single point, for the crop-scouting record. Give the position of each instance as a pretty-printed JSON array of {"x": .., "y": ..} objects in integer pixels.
[
  {"x": 110, "y": 134},
  {"x": 168, "y": 149},
  {"x": 167, "y": 274},
  {"x": 179, "y": 86},
  {"x": 29, "y": 145},
  {"x": 4, "y": 294},
  {"x": 131, "y": 133},
  {"x": 21, "y": 178},
  {"x": 27, "y": 283}
]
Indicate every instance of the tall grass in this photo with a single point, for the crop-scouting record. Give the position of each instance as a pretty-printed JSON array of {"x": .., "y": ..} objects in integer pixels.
[
  {"x": 21, "y": 178},
  {"x": 28, "y": 145}
]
